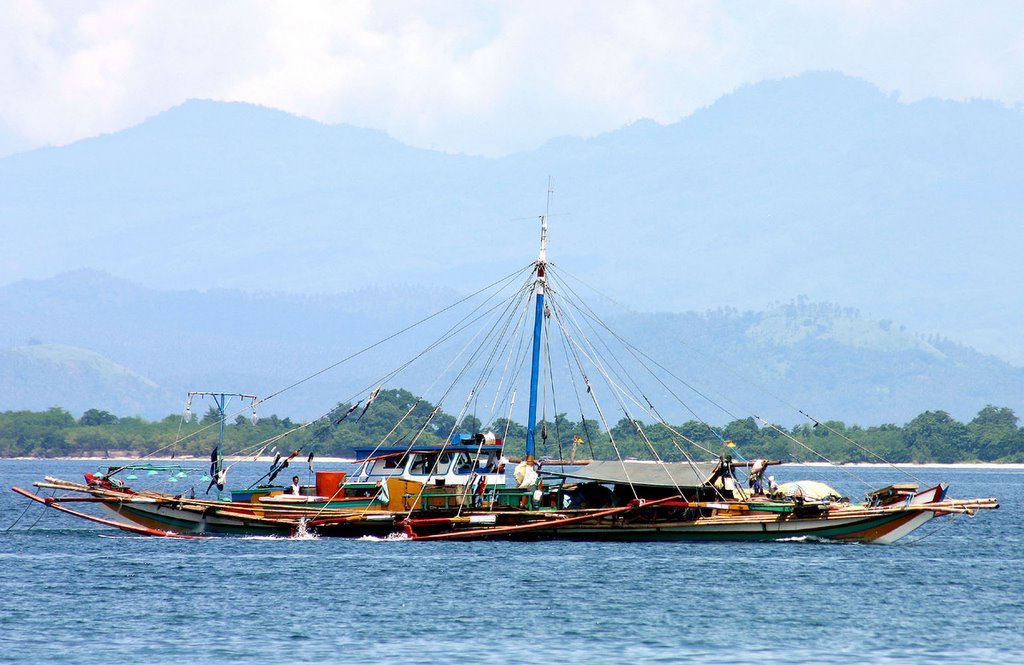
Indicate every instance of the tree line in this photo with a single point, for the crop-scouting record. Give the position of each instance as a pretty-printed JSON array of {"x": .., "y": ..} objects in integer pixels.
[{"x": 993, "y": 435}]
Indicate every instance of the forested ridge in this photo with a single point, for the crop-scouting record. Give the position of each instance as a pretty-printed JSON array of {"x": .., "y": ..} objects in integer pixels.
[{"x": 993, "y": 435}]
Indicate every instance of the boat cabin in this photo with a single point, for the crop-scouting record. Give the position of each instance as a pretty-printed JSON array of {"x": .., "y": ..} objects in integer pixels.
[{"x": 464, "y": 460}]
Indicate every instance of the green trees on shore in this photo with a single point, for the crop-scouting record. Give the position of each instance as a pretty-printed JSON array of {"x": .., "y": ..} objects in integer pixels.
[{"x": 994, "y": 435}]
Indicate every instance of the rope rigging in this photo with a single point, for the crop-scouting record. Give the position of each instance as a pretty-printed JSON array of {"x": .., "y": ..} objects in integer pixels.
[
  {"x": 556, "y": 275},
  {"x": 497, "y": 286}
]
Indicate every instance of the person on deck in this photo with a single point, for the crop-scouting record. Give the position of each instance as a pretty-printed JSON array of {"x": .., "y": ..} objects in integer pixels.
[
  {"x": 295, "y": 489},
  {"x": 525, "y": 474},
  {"x": 756, "y": 478}
]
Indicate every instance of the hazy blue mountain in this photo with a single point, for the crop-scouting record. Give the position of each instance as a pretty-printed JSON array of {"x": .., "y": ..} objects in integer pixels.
[
  {"x": 831, "y": 362},
  {"x": 817, "y": 186},
  {"x": 39, "y": 376}
]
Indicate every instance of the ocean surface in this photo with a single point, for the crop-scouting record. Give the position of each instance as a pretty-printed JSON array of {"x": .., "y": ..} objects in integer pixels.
[{"x": 72, "y": 591}]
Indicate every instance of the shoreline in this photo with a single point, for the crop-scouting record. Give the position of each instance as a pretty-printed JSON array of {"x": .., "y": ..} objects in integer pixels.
[{"x": 347, "y": 460}]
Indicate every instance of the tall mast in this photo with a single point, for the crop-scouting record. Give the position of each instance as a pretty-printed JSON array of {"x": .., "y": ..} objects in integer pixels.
[{"x": 538, "y": 317}]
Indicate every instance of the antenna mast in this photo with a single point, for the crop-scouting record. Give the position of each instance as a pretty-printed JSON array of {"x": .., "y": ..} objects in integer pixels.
[{"x": 539, "y": 288}]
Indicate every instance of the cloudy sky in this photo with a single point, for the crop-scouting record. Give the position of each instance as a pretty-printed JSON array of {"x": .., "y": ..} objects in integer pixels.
[{"x": 477, "y": 77}]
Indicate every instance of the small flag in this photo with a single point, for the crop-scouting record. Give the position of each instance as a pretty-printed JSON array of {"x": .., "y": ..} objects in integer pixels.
[
  {"x": 730, "y": 444},
  {"x": 347, "y": 413},
  {"x": 369, "y": 401}
]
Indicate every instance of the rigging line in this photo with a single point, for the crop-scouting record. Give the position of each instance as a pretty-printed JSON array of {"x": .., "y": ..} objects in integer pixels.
[
  {"x": 763, "y": 389},
  {"x": 654, "y": 411},
  {"x": 501, "y": 281},
  {"x": 657, "y": 417},
  {"x": 171, "y": 444},
  {"x": 373, "y": 453},
  {"x": 430, "y": 388},
  {"x": 440, "y": 453},
  {"x": 653, "y": 360},
  {"x": 15, "y": 522},
  {"x": 639, "y": 428},
  {"x": 589, "y": 313},
  {"x": 455, "y": 357},
  {"x": 814, "y": 452},
  {"x": 508, "y": 361},
  {"x": 862, "y": 448},
  {"x": 181, "y": 422},
  {"x": 551, "y": 380},
  {"x": 507, "y": 278},
  {"x": 616, "y": 390},
  {"x": 448, "y": 335},
  {"x": 501, "y": 341},
  {"x": 602, "y": 341},
  {"x": 38, "y": 517},
  {"x": 521, "y": 351},
  {"x": 592, "y": 355},
  {"x": 474, "y": 475},
  {"x": 593, "y": 316},
  {"x": 522, "y": 355},
  {"x": 412, "y": 443},
  {"x": 436, "y": 410},
  {"x": 476, "y": 353},
  {"x": 597, "y": 405},
  {"x": 458, "y": 421},
  {"x": 623, "y": 375},
  {"x": 579, "y": 403},
  {"x": 514, "y": 352},
  {"x": 954, "y": 518},
  {"x": 544, "y": 369},
  {"x": 394, "y": 428},
  {"x": 454, "y": 330},
  {"x": 508, "y": 422}
]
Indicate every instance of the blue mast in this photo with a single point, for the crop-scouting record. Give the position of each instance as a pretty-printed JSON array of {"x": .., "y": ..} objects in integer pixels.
[{"x": 542, "y": 260}]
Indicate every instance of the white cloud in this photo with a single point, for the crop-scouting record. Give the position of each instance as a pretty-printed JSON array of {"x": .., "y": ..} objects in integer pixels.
[{"x": 476, "y": 77}]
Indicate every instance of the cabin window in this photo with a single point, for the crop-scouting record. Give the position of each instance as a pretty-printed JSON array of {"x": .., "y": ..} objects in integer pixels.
[
  {"x": 463, "y": 463},
  {"x": 424, "y": 464},
  {"x": 389, "y": 466},
  {"x": 394, "y": 462}
]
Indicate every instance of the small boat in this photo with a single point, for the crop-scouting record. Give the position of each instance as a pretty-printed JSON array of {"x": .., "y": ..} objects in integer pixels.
[{"x": 458, "y": 488}]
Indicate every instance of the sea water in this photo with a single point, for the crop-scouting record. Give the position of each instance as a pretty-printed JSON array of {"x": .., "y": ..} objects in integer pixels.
[{"x": 72, "y": 591}]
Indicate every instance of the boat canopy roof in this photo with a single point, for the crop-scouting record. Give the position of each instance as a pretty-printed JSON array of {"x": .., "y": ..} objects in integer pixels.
[{"x": 650, "y": 474}]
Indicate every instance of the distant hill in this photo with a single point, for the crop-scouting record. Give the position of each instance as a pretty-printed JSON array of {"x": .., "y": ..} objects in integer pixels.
[
  {"x": 830, "y": 361},
  {"x": 40, "y": 376},
  {"x": 818, "y": 186}
]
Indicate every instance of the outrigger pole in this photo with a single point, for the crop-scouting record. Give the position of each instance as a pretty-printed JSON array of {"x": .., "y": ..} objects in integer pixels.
[{"x": 542, "y": 261}]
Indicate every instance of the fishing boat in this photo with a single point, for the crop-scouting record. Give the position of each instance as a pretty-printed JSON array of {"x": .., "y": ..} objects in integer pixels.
[{"x": 453, "y": 485}]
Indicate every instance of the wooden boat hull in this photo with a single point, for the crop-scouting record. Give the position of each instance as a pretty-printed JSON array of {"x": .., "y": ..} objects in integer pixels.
[
  {"x": 230, "y": 521},
  {"x": 882, "y": 528},
  {"x": 169, "y": 518}
]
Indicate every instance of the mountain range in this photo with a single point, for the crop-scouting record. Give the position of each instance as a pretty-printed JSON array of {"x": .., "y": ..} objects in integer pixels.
[
  {"x": 790, "y": 193},
  {"x": 88, "y": 340}
]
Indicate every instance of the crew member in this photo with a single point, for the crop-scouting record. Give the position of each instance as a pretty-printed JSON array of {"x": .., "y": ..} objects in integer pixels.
[{"x": 525, "y": 474}]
